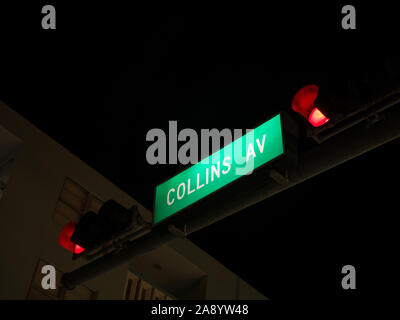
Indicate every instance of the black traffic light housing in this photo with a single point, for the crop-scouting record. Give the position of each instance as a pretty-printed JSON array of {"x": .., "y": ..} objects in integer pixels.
[
  {"x": 95, "y": 229},
  {"x": 357, "y": 95}
]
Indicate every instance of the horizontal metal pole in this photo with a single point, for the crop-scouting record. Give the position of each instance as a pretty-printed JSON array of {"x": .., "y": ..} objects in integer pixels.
[
  {"x": 156, "y": 238},
  {"x": 333, "y": 152},
  {"x": 341, "y": 148}
]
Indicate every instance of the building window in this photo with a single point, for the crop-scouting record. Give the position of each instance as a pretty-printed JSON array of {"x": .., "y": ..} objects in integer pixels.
[
  {"x": 5, "y": 173},
  {"x": 131, "y": 286},
  {"x": 138, "y": 289},
  {"x": 128, "y": 289},
  {"x": 9, "y": 147},
  {"x": 36, "y": 292},
  {"x": 73, "y": 202}
]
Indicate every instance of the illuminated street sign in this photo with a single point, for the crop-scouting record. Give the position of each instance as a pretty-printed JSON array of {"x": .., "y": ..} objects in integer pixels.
[{"x": 238, "y": 158}]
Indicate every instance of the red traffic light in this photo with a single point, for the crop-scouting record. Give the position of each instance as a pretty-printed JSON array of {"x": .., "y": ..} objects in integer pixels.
[
  {"x": 303, "y": 103},
  {"x": 317, "y": 118},
  {"x": 65, "y": 238}
]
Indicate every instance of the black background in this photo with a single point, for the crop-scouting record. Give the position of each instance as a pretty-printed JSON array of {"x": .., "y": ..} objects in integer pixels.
[{"x": 109, "y": 73}]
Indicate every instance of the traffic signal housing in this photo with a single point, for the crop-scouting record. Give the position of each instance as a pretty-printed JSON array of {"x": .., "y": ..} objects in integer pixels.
[
  {"x": 94, "y": 230},
  {"x": 359, "y": 93}
]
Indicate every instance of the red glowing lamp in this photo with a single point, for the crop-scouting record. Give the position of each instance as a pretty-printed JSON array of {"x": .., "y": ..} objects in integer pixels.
[
  {"x": 317, "y": 118},
  {"x": 65, "y": 239},
  {"x": 303, "y": 103}
]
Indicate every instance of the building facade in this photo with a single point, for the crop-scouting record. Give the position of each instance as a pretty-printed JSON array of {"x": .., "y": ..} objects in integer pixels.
[{"x": 43, "y": 186}]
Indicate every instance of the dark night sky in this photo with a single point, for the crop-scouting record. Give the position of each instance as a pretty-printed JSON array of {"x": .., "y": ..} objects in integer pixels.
[{"x": 109, "y": 74}]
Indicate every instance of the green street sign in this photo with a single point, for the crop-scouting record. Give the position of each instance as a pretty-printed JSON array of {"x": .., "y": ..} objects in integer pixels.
[{"x": 228, "y": 164}]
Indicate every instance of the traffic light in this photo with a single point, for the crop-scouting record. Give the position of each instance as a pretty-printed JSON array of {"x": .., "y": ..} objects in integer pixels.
[
  {"x": 65, "y": 239},
  {"x": 93, "y": 229},
  {"x": 304, "y": 102},
  {"x": 332, "y": 103}
]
